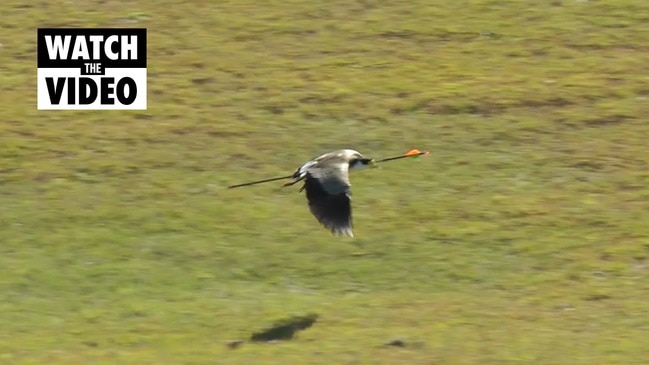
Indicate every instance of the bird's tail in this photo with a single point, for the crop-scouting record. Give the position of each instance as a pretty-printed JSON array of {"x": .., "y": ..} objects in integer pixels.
[
  {"x": 300, "y": 174},
  {"x": 294, "y": 181}
]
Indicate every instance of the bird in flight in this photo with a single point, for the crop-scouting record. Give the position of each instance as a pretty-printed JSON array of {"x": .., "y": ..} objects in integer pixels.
[
  {"x": 327, "y": 186},
  {"x": 328, "y": 190}
]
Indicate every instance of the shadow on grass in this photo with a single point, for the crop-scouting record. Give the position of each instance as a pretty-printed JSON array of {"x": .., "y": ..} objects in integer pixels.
[{"x": 285, "y": 329}]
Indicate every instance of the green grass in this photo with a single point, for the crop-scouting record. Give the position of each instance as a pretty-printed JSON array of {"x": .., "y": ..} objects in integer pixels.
[{"x": 521, "y": 239}]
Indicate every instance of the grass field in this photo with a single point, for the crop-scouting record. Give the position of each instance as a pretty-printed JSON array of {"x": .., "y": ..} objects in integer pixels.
[{"x": 523, "y": 238}]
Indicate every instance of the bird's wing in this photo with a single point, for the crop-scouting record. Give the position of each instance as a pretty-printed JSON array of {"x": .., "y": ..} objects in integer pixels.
[
  {"x": 329, "y": 195},
  {"x": 333, "y": 176}
]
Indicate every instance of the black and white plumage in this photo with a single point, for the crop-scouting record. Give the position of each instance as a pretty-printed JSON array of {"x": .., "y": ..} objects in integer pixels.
[{"x": 328, "y": 190}]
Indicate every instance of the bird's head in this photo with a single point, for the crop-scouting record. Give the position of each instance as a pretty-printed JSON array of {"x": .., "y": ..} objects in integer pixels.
[
  {"x": 356, "y": 160},
  {"x": 361, "y": 163}
]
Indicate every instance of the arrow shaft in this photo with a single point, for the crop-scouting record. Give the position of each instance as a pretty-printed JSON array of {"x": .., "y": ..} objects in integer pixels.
[
  {"x": 399, "y": 157},
  {"x": 291, "y": 176},
  {"x": 260, "y": 181}
]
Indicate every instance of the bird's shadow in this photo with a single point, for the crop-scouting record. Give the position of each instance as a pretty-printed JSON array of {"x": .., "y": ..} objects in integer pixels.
[{"x": 285, "y": 329}]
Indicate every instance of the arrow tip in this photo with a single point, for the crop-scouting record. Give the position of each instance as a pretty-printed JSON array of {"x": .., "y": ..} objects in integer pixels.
[{"x": 416, "y": 152}]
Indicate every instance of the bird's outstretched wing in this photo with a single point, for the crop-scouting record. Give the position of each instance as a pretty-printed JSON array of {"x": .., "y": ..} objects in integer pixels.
[{"x": 329, "y": 195}]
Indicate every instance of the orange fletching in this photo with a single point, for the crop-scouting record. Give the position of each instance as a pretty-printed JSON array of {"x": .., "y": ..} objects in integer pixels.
[{"x": 413, "y": 152}]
